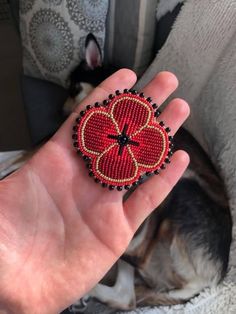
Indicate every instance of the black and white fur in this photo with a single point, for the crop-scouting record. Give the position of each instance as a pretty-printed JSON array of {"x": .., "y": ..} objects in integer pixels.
[
  {"x": 88, "y": 74},
  {"x": 183, "y": 246}
]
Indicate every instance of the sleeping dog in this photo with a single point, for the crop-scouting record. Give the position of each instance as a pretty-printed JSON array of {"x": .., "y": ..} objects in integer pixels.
[{"x": 183, "y": 246}]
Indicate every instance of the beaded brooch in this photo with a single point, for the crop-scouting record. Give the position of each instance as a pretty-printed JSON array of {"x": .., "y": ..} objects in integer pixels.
[{"x": 120, "y": 140}]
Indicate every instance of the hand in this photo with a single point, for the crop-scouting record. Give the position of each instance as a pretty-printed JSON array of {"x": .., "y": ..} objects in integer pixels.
[{"x": 59, "y": 231}]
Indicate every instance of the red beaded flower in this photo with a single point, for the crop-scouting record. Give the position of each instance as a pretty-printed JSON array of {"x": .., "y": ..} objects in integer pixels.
[{"x": 121, "y": 140}]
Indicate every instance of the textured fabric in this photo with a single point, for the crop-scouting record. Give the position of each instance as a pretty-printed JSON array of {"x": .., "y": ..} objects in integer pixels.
[
  {"x": 219, "y": 300},
  {"x": 43, "y": 102},
  {"x": 53, "y": 35},
  {"x": 130, "y": 31},
  {"x": 201, "y": 51},
  {"x": 121, "y": 140}
]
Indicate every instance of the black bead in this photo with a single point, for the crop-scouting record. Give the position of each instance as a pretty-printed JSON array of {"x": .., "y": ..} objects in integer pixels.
[
  {"x": 91, "y": 174},
  {"x": 89, "y": 166},
  {"x": 126, "y": 90},
  {"x": 96, "y": 180},
  {"x": 119, "y": 188},
  {"x": 78, "y": 120},
  {"x": 140, "y": 179},
  {"x": 75, "y": 136},
  {"x": 170, "y": 138},
  {"x": 79, "y": 152},
  {"x": 161, "y": 123},
  {"x": 75, "y": 128},
  {"x": 127, "y": 187},
  {"x": 104, "y": 185},
  {"x": 168, "y": 130},
  {"x": 149, "y": 99},
  {"x": 141, "y": 95},
  {"x": 170, "y": 154},
  {"x": 156, "y": 172},
  {"x": 133, "y": 91},
  {"x": 111, "y": 187},
  {"x": 167, "y": 160},
  {"x": 75, "y": 144},
  {"x": 111, "y": 96},
  {"x": 82, "y": 113},
  {"x": 88, "y": 107},
  {"x": 154, "y": 106},
  {"x": 134, "y": 184},
  {"x": 97, "y": 104},
  {"x": 86, "y": 158},
  {"x": 157, "y": 113},
  {"x": 105, "y": 102},
  {"x": 163, "y": 166},
  {"x": 148, "y": 173},
  {"x": 171, "y": 145},
  {"x": 117, "y": 92}
]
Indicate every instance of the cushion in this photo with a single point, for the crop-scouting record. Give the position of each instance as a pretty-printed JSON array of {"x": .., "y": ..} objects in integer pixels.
[
  {"x": 53, "y": 35},
  {"x": 43, "y": 103}
]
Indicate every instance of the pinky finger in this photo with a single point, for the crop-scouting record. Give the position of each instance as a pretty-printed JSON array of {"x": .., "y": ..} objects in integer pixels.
[{"x": 150, "y": 194}]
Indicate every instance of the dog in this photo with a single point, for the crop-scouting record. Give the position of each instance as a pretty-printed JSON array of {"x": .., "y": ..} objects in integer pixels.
[
  {"x": 183, "y": 246},
  {"x": 89, "y": 73}
]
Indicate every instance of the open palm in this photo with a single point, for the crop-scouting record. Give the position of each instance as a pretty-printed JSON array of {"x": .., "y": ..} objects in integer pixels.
[{"x": 59, "y": 231}]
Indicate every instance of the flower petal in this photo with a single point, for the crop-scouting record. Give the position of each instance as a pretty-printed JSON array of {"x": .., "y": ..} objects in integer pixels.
[
  {"x": 93, "y": 132},
  {"x": 131, "y": 111},
  {"x": 153, "y": 147},
  {"x": 116, "y": 169}
]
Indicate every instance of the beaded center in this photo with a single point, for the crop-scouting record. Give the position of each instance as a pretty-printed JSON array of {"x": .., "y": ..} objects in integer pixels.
[{"x": 123, "y": 139}]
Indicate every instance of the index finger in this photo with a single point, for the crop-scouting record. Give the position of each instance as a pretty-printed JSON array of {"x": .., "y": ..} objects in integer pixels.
[{"x": 121, "y": 79}]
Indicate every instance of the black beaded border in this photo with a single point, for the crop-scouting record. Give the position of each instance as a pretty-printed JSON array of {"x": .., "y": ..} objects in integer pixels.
[{"x": 87, "y": 159}]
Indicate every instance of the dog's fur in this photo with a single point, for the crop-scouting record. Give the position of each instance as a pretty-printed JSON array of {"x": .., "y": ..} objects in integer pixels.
[
  {"x": 183, "y": 246},
  {"x": 88, "y": 74}
]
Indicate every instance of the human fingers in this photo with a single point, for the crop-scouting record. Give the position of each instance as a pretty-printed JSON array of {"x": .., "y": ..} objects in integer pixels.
[{"x": 161, "y": 87}]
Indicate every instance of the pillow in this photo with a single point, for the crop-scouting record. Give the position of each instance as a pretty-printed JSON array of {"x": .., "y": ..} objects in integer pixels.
[{"x": 53, "y": 34}]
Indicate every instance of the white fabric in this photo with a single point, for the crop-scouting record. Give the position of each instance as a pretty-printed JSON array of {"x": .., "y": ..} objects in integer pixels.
[{"x": 220, "y": 300}]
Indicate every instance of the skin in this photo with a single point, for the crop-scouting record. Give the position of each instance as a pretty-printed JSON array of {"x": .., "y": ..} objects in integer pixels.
[{"x": 59, "y": 231}]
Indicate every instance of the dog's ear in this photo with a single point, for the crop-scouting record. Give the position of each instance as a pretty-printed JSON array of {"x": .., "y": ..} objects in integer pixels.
[{"x": 93, "y": 54}]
